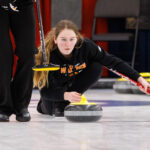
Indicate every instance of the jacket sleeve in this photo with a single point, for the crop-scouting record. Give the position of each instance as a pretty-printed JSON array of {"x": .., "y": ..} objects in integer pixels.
[{"x": 96, "y": 53}]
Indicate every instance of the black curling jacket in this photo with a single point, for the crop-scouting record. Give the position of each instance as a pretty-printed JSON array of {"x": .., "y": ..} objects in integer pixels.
[
  {"x": 60, "y": 80},
  {"x": 21, "y": 4},
  {"x": 5, "y": 2}
]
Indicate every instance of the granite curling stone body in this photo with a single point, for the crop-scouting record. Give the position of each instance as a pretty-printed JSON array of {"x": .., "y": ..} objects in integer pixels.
[{"x": 83, "y": 111}]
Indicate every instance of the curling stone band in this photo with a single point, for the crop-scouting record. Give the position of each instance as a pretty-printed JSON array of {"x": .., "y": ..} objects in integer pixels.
[{"x": 83, "y": 113}]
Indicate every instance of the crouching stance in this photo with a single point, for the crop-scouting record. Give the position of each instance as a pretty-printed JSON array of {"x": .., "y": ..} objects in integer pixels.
[{"x": 80, "y": 61}]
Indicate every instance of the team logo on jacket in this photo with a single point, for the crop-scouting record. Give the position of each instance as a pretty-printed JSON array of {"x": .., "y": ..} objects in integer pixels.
[{"x": 71, "y": 70}]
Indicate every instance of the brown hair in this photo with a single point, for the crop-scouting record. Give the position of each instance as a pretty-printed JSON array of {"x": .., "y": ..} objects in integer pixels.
[{"x": 41, "y": 78}]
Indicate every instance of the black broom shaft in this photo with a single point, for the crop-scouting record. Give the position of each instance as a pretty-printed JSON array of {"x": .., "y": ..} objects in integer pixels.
[{"x": 41, "y": 32}]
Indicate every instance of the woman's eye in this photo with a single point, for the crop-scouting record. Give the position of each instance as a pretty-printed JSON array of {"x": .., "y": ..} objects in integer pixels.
[
  {"x": 63, "y": 39},
  {"x": 71, "y": 39}
]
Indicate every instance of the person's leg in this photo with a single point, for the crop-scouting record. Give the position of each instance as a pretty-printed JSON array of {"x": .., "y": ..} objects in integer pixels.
[
  {"x": 23, "y": 29},
  {"x": 86, "y": 78},
  {"x": 6, "y": 63},
  {"x": 51, "y": 107}
]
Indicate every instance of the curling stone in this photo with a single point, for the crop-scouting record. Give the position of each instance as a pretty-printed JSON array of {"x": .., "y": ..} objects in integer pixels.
[
  {"x": 122, "y": 85},
  {"x": 83, "y": 111},
  {"x": 135, "y": 89}
]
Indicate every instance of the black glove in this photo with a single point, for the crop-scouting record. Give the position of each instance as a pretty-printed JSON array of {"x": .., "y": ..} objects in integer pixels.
[{"x": 5, "y": 2}]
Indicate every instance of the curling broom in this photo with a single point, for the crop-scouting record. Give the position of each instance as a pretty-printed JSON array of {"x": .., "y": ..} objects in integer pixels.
[{"x": 44, "y": 66}]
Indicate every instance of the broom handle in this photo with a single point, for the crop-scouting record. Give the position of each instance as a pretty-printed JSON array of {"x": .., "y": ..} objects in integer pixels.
[
  {"x": 41, "y": 32},
  {"x": 132, "y": 81}
]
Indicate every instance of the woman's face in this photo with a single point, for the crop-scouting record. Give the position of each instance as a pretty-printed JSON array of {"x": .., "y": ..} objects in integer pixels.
[{"x": 66, "y": 42}]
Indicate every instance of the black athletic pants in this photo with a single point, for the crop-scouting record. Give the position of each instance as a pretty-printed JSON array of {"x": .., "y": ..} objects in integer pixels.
[
  {"x": 82, "y": 82},
  {"x": 15, "y": 93}
]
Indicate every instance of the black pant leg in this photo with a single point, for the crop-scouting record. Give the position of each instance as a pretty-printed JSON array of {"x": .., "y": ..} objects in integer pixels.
[
  {"x": 87, "y": 78},
  {"x": 48, "y": 106},
  {"x": 6, "y": 62},
  {"x": 23, "y": 29}
]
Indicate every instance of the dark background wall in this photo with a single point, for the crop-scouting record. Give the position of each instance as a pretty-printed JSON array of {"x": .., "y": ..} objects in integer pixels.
[{"x": 123, "y": 49}]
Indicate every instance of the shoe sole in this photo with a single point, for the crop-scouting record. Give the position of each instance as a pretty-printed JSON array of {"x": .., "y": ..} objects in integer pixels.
[{"x": 23, "y": 120}]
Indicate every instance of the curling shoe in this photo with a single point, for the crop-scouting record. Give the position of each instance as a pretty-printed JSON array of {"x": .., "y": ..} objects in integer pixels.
[
  {"x": 23, "y": 115},
  {"x": 4, "y": 118}
]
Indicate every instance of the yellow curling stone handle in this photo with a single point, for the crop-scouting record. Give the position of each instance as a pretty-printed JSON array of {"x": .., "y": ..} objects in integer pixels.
[{"x": 83, "y": 102}]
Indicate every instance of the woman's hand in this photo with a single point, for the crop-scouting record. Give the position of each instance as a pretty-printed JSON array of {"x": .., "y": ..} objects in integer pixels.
[
  {"x": 72, "y": 96},
  {"x": 145, "y": 85}
]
